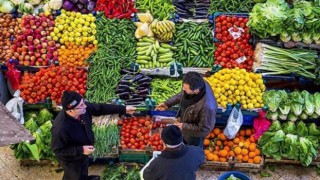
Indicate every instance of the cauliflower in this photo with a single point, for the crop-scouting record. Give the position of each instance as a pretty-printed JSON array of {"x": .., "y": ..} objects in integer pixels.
[
  {"x": 55, "y": 4},
  {"x": 46, "y": 8},
  {"x": 17, "y": 2},
  {"x": 25, "y": 8},
  {"x": 34, "y": 2}
]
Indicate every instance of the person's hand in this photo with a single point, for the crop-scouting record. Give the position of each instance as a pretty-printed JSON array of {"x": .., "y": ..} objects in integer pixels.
[
  {"x": 130, "y": 109},
  {"x": 161, "y": 107},
  {"x": 179, "y": 125},
  {"x": 87, "y": 150}
]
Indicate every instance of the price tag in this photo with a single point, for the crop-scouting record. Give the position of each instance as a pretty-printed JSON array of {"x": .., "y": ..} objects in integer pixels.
[
  {"x": 235, "y": 34},
  {"x": 241, "y": 59}
]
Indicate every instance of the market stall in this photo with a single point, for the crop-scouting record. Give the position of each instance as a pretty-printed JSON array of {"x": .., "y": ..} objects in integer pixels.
[{"x": 261, "y": 58}]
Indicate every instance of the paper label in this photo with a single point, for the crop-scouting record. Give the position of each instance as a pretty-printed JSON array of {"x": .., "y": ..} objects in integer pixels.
[
  {"x": 241, "y": 59},
  {"x": 234, "y": 34}
]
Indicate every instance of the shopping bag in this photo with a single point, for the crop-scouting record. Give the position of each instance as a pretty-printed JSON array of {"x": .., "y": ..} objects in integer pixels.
[
  {"x": 15, "y": 106},
  {"x": 260, "y": 124},
  {"x": 234, "y": 123}
]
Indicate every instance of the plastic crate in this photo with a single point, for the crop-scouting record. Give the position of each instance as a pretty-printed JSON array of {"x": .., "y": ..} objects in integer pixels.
[
  {"x": 168, "y": 113},
  {"x": 134, "y": 156},
  {"x": 216, "y": 14}
]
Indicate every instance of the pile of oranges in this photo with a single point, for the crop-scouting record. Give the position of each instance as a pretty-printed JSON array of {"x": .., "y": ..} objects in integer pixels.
[
  {"x": 243, "y": 147},
  {"x": 75, "y": 55}
]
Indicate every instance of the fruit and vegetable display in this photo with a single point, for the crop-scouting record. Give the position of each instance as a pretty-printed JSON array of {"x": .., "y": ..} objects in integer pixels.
[
  {"x": 161, "y": 9},
  {"x": 194, "y": 44},
  {"x": 9, "y": 28},
  {"x": 74, "y": 55},
  {"x": 242, "y": 148},
  {"x": 292, "y": 106},
  {"x": 163, "y": 89},
  {"x": 34, "y": 46},
  {"x": 106, "y": 134},
  {"x": 134, "y": 88},
  {"x": 274, "y": 61},
  {"x": 192, "y": 9},
  {"x": 231, "y": 86},
  {"x": 290, "y": 140},
  {"x": 232, "y": 41},
  {"x": 153, "y": 54},
  {"x": 277, "y": 18},
  {"x": 51, "y": 82},
  {"x": 116, "y": 9},
  {"x": 39, "y": 125},
  {"x": 135, "y": 134}
]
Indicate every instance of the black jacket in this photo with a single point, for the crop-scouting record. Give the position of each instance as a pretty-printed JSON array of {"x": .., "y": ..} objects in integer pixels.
[
  {"x": 69, "y": 134},
  {"x": 175, "y": 165},
  {"x": 198, "y": 119}
]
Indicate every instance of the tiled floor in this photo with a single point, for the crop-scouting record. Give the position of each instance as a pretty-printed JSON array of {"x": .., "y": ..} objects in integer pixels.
[{"x": 10, "y": 169}]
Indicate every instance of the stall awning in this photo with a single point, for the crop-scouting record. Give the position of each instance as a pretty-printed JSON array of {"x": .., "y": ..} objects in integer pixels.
[{"x": 11, "y": 131}]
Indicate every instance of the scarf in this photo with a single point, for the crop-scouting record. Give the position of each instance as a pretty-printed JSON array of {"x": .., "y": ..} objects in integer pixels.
[{"x": 188, "y": 100}]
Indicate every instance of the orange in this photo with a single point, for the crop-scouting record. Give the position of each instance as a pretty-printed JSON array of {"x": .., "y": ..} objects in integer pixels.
[
  {"x": 248, "y": 132},
  {"x": 244, "y": 152},
  {"x": 230, "y": 144},
  {"x": 237, "y": 150},
  {"x": 223, "y": 159},
  {"x": 236, "y": 140},
  {"x": 252, "y": 146},
  {"x": 225, "y": 143},
  {"x": 241, "y": 138},
  {"x": 212, "y": 135},
  {"x": 217, "y": 148},
  {"x": 252, "y": 139},
  {"x": 216, "y": 131},
  {"x": 210, "y": 157},
  {"x": 218, "y": 143},
  {"x": 246, "y": 144},
  {"x": 242, "y": 132},
  {"x": 250, "y": 161},
  {"x": 227, "y": 148},
  {"x": 206, "y": 142},
  {"x": 252, "y": 154},
  {"x": 216, "y": 152},
  {"x": 239, "y": 158},
  {"x": 231, "y": 154},
  {"x": 257, "y": 159},
  {"x": 245, "y": 158},
  {"x": 257, "y": 151},
  {"x": 223, "y": 153},
  {"x": 222, "y": 137},
  {"x": 206, "y": 152},
  {"x": 215, "y": 157}
]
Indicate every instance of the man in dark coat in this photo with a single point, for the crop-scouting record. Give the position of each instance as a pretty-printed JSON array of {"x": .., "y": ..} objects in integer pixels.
[
  {"x": 198, "y": 107},
  {"x": 177, "y": 161},
  {"x": 72, "y": 135}
]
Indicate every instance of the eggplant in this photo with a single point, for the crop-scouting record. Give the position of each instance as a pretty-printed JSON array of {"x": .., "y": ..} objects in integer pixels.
[
  {"x": 137, "y": 77},
  {"x": 145, "y": 84},
  {"x": 145, "y": 91},
  {"x": 135, "y": 99},
  {"x": 143, "y": 80},
  {"x": 126, "y": 87},
  {"x": 141, "y": 88},
  {"x": 126, "y": 71},
  {"x": 203, "y": 13},
  {"x": 124, "y": 95},
  {"x": 122, "y": 90},
  {"x": 125, "y": 82}
]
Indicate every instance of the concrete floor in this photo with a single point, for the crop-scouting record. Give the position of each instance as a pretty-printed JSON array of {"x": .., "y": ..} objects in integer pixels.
[{"x": 10, "y": 169}]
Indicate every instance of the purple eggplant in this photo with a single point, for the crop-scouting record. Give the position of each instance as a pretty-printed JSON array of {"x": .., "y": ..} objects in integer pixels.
[
  {"x": 83, "y": 1},
  {"x": 67, "y": 5}
]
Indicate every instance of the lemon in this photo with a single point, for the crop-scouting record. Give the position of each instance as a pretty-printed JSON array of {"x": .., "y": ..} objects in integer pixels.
[
  {"x": 242, "y": 93},
  {"x": 230, "y": 92},
  {"x": 218, "y": 100},
  {"x": 237, "y": 92},
  {"x": 94, "y": 31},
  {"x": 91, "y": 38},
  {"x": 77, "y": 34},
  {"x": 248, "y": 93},
  {"x": 256, "y": 105},
  {"x": 85, "y": 34},
  {"x": 238, "y": 98},
  {"x": 241, "y": 82},
  {"x": 222, "y": 78},
  {"x": 240, "y": 88},
  {"x": 217, "y": 91},
  {"x": 73, "y": 14},
  {"x": 95, "y": 42},
  {"x": 71, "y": 34},
  {"x": 79, "y": 26},
  {"x": 78, "y": 15},
  {"x": 55, "y": 38},
  {"x": 244, "y": 106},
  {"x": 83, "y": 43},
  {"x": 70, "y": 29},
  {"x": 227, "y": 76},
  {"x": 243, "y": 102},
  {"x": 226, "y": 86},
  {"x": 93, "y": 26},
  {"x": 63, "y": 11},
  {"x": 259, "y": 81},
  {"x": 250, "y": 106},
  {"x": 61, "y": 41},
  {"x": 243, "y": 97},
  {"x": 60, "y": 27},
  {"x": 231, "y": 88},
  {"x": 52, "y": 34}
]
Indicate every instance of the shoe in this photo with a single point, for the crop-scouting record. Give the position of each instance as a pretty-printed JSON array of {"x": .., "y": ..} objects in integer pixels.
[{"x": 93, "y": 177}]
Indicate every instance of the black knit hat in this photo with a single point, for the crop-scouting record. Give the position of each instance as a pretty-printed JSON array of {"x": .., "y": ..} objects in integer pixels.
[
  {"x": 70, "y": 100},
  {"x": 171, "y": 135}
]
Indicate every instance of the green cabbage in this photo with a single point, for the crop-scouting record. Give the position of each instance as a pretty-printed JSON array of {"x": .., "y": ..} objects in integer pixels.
[
  {"x": 290, "y": 147},
  {"x": 314, "y": 130},
  {"x": 302, "y": 129},
  {"x": 292, "y": 117},
  {"x": 44, "y": 115},
  {"x": 272, "y": 115},
  {"x": 297, "y": 103},
  {"x": 303, "y": 116},
  {"x": 273, "y": 147},
  {"x": 282, "y": 117},
  {"x": 275, "y": 126},
  {"x": 309, "y": 104},
  {"x": 307, "y": 151},
  {"x": 30, "y": 114},
  {"x": 317, "y": 103},
  {"x": 289, "y": 128},
  {"x": 296, "y": 37},
  {"x": 265, "y": 137},
  {"x": 31, "y": 125}
]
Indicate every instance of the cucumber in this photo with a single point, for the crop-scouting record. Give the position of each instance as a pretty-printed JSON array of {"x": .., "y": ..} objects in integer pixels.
[
  {"x": 142, "y": 62},
  {"x": 165, "y": 60},
  {"x": 164, "y": 56},
  {"x": 143, "y": 44},
  {"x": 144, "y": 58}
]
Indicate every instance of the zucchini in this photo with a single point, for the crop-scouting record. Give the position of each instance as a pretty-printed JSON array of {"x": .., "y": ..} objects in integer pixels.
[{"x": 144, "y": 58}]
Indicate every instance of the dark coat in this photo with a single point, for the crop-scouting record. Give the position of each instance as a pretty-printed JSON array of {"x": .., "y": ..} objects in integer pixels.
[
  {"x": 198, "y": 119},
  {"x": 69, "y": 134},
  {"x": 175, "y": 165}
]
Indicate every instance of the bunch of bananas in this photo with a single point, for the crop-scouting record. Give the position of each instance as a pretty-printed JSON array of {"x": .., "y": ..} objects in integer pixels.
[{"x": 163, "y": 30}]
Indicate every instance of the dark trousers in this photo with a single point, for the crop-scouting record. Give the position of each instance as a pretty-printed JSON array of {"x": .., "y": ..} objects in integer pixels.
[
  {"x": 194, "y": 141},
  {"x": 75, "y": 170}
]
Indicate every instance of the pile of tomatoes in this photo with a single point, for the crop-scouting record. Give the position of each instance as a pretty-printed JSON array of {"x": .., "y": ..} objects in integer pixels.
[
  {"x": 136, "y": 133},
  {"x": 51, "y": 82},
  {"x": 233, "y": 51}
]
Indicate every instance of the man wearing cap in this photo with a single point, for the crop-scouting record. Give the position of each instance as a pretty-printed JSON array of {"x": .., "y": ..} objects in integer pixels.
[
  {"x": 177, "y": 161},
  {"x": 198, "y": 107},
  {"x": 72, "y": 135}
]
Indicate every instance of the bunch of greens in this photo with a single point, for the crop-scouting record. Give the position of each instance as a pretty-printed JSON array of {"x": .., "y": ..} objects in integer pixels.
[
  {"x": 43, "y": 141},
  {"x": 121, "y": 172},
  {"x": 292, "y": 106},
  {"x": 297, "y": 142}
]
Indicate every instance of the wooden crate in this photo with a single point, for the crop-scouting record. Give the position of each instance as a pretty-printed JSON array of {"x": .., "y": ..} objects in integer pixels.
[
  {"x": 247, "y": 167},
  {"x": 315, "y": 162},
  {"x": 42, "y": 162},
  {"x": 217, "y": 166}
]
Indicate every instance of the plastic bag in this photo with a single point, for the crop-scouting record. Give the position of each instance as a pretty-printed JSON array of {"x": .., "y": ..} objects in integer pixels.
[
  {"x": 260, "y": 124},
  {"x": 235, "y": 121},
  {"x": 13, "y": 76},
  {"x": 15, "y": 107}
]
